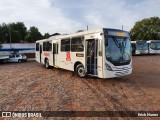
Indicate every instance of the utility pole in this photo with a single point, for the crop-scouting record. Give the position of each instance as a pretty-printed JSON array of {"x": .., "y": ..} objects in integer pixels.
[
  {"x": 10, "y": 37},
  {"x": 122, "y": 27},
  {"x": 87, "y": 27}
]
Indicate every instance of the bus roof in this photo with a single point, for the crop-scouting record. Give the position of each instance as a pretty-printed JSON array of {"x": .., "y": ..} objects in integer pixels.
[
  {"x": 79, "y": 34},
  {"x": 154, "y": 40}
]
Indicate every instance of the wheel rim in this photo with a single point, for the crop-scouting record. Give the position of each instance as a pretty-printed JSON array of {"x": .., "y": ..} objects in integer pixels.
[{"x": 81, "y": 71}]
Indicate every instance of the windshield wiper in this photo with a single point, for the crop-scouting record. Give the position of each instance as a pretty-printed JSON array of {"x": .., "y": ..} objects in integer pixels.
[{"x": 121, "y": 47}]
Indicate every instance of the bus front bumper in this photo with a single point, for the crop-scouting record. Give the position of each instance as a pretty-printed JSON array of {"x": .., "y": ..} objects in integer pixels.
[{"x": 117, "y": 73}]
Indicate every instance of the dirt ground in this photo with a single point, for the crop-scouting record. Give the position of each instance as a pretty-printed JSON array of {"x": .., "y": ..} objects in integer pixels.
[{"x": 29, "y": 86}]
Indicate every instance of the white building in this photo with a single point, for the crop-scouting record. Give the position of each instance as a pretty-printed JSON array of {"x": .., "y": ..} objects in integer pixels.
[{"x": 21, "y": 47}]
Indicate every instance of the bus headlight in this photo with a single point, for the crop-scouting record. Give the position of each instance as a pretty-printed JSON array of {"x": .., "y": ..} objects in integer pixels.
[{"x": 108, "y": 67}]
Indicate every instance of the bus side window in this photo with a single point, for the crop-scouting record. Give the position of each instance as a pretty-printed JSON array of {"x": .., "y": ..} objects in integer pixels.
[
  {"x": 47, "y": 46},
  {"x": 65, "y": 45},
  {"x": 77, "y": 44}
]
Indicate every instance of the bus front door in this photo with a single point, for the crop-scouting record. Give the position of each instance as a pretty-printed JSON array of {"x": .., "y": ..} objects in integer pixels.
[
  {"x": 92, "y": 56},
  {"x": 40, "y": 53},
  {"x": 54, "y": 52}
]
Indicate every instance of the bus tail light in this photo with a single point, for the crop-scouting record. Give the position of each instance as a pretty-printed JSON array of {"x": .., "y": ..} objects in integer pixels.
[{"x": 108, "y": 67}]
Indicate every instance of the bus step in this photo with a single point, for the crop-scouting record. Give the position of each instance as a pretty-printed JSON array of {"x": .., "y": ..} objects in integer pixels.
[{"x": 93, "y": 75}]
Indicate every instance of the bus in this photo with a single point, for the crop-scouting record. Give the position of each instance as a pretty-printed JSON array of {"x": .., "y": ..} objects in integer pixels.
[
  {"x": 139, "y": 47},
  {"x": 104, "y": 53},
  {"x": 154, "y": 46}
]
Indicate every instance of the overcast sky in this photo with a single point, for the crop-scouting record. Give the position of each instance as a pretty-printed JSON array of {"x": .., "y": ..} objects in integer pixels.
[{"x": 66, "y": 16}]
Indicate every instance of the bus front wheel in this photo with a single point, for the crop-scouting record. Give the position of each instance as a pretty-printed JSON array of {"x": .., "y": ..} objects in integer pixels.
[{"x": 80, "y": 71}]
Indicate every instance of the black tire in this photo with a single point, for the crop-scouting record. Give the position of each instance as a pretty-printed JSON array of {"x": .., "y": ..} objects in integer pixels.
[
  {"x": 47, "y": 64},
  {"x": 1, "y": 61},
  {"x": 80, "y": 71},
  {"x": 19, "y": 60}
]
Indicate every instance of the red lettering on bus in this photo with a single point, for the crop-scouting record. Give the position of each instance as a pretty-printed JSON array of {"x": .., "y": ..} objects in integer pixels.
[
  {"x": 46, "y": 54},
  {"x": 68, "y": 56}
]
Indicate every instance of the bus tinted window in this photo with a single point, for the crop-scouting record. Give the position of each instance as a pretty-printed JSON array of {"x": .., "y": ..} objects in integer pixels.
[
  {"x": 47, "y": 46},
  {"x": 37, "y": 46},
  {"x": 55, "y": 48},
  {"x": 77, "y": 45},
  {"x": 65, "y": 45}
]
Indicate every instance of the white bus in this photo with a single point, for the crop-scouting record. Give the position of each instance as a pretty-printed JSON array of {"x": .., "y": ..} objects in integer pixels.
[
  {"x": 139, "y": 47},
  {"x": 104, "y": 53},
  {"x": 154, "y": 46}
]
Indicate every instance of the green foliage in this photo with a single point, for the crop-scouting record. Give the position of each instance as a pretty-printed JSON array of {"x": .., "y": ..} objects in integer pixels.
[
  {"x": 3, "y": 32},
  {"x": 17, "y": 32},
  {"x": 80, "y": 31},
  {"x": 33, "y": 34},
  {"x": 20, "y": 28},
  {"x": 46, "y": 35},
  {"x": 15, "y": 36},
  {"x": 146, "y": 29}
]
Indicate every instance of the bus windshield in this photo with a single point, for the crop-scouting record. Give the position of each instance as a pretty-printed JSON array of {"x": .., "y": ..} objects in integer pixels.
[
  {"x": 155, "y": 45},
  {"x": 141, "y": 46},
  {"x": 118, "y": 50}
]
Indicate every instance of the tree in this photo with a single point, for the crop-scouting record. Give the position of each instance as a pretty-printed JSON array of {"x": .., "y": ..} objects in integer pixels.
[
  {"x": 20, "y": 28},
  {"x": 46, "y": 35},
  {"x": 3, "y": 32},
  {"x": 15, "y": 31},
  {"x": 15, "y": 36},
  {"x": 33, "y": 35},
  {"x": 146, "y": 29},
  {"x": 80, "y": 31}
]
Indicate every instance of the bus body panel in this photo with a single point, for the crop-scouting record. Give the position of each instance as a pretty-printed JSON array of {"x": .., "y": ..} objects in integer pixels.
[
  {"x": 117, "y": 71},
  {"x": 68, "y": 59}
]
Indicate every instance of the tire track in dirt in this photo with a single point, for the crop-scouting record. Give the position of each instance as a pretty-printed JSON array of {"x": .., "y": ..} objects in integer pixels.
[
  {"x": 99, "y": 90},
  {"x": 139, "y": 94},
  {"x": 103, "y": 95}
]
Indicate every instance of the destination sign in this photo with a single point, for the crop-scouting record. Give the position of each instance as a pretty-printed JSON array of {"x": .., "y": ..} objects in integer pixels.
[{"x": 118, "y": 33}]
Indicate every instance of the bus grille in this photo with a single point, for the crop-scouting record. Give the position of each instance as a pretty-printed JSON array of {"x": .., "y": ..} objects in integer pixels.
[{"x": 122, "y": 71}]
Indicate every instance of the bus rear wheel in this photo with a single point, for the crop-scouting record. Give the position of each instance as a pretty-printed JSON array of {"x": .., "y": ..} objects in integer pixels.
[
  {"x": 80, "y": 71},
  {"x": 47, "y": 64}
]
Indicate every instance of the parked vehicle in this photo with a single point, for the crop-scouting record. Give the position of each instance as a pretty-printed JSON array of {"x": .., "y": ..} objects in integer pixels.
[
  {"x": 17, "y": 58},
  {"x": 104, "y": 53},
  {"x": 139, "y": 47},
  {"x": 3, "y": 58},
  {"x": 154, "y": 46}
]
